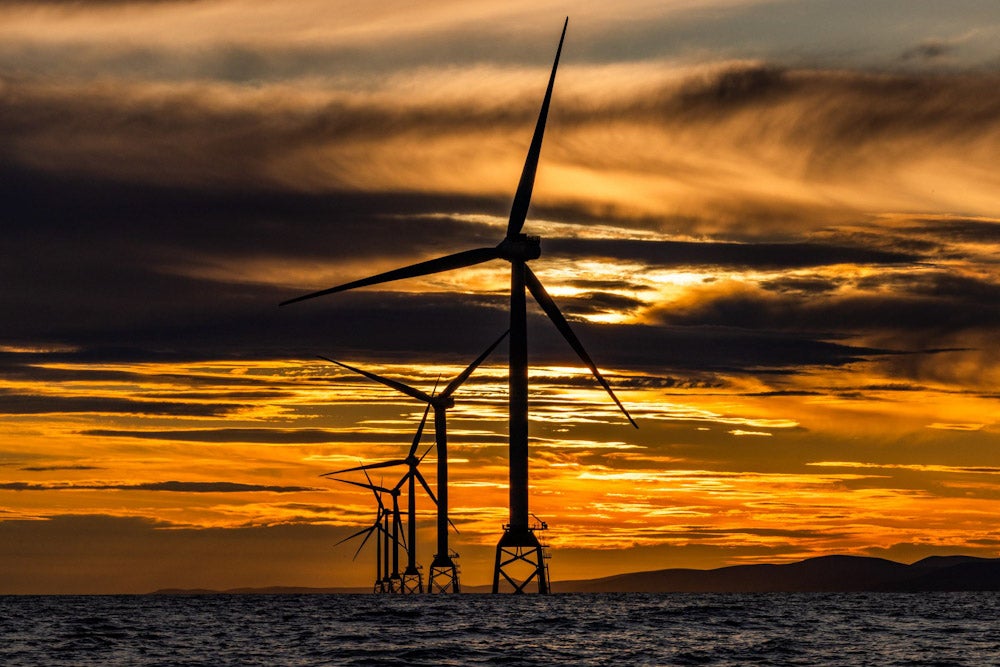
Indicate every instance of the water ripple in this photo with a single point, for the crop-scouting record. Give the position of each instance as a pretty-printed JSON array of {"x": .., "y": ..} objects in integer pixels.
[{"x": 942, "y": 629}]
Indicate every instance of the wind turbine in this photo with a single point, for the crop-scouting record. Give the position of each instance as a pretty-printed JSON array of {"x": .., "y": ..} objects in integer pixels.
[
  {"x": 381, "y": 579},
  {"x": 412, "y": 461},
  {"x": 394, "y": 583},
  {"x": 518, "y": 540},
  {"x": 443, "y": 567}
]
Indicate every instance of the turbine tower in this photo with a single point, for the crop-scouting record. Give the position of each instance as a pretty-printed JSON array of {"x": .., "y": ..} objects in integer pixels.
[
  {"x": 412, "y": 581},
  {"x": 444, "y": 572},
  {"x": 381, "y": 578},
  {"x": 518, "y": 544},
  {"x": 393, "y": 581}
]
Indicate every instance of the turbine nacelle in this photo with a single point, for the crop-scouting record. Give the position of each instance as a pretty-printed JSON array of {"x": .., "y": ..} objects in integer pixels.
[
  {"x": 520, "y": 247},
  {"x": 443, "y": 402}
]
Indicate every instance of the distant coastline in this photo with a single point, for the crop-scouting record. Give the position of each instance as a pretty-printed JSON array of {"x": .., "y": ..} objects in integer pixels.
[{"x": 825, "y": 574}]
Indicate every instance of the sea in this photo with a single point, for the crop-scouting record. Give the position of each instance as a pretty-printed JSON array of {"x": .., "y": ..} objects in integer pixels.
[{"x": 573, "y": 629}]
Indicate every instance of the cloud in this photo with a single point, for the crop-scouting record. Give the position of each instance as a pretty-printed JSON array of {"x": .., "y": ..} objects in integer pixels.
[
  {"x": 173, "y": 486},
  {"x": 917, "y": 467},
  {"x": 721, "y": 254},
  {"x": 936, "y": 305},
  {"x": 279, "y": 436},
  {"x": 27, "y": 403},
  {"x": 55, "y": 467},
  {"x": 963, "y": 426},
  {"x": 217, "y": 201},
  {"x": 932, "y": 49},
  {"x": 706, "y": 144}
]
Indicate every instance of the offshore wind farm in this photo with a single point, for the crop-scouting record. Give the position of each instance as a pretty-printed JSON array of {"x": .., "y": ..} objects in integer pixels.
[
  {"x": 763, "y": 231},
  {"x": 443, "y": 576},
  {"x": 520, "y": 555},
  {"x": 770, "y": 226}
]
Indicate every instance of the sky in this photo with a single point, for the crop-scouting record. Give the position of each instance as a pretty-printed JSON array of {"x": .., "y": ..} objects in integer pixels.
[{"x": 774, "y": 224}]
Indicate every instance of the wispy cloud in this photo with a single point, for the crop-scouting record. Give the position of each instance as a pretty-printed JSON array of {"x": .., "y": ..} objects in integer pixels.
[{"x": 177, "y": 487}]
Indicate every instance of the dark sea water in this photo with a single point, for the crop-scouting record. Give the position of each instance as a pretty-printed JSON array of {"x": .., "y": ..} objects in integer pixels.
[{"x": 600, "y": 629}]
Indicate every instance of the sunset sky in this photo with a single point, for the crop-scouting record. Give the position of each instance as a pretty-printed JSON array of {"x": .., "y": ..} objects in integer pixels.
[{"x": 774, "y": 224}]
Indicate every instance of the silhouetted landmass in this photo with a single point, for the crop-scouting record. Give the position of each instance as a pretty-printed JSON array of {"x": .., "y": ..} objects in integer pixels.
[
  {"x": 269, "y": 590},
  {"x": 824, "y": 574},
  {"x": 830, "y": 574}
]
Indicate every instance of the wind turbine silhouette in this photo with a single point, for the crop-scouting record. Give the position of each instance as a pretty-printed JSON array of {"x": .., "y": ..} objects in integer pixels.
[
  {"x": 412, "y": 461},
  {"x": 518, "y": 249},
  {"x": 394, "y": 583},
  {"x": 381, "y": 578},
  {"x": 444, "y": 572}
]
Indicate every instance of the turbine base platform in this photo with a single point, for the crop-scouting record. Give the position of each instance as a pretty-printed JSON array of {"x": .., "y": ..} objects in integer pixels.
[
  {"x": 521, "y": 559},
  {"x": 443, "y": 580},
  {"x": 443, "y": 577},
  {"x": 412, "y": 584}
]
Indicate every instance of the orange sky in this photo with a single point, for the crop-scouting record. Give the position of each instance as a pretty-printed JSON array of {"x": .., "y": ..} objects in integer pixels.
[{"x": 780, "y": 249}]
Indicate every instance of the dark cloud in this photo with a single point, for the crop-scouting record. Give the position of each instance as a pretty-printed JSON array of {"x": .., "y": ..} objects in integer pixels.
[
  {"x": 25, "y": 403},
  {"x": 958, "y": 288},
  {"x": 220, "y": 395},
  {"x": 604, "y": 302},
  {"x": 29, "y": 366},
  {"x": 108, "y": 261},
  {"x": 179, "y": 487},
  {"x": 313, "y": 509},
  {"x": 808, "y": 285},
  {"x": 54, "y": 468},
  {"x": 959, "y": 229},
  {"x": 282, "y": 436},
  {"x": 702, "y": 348},
  {"x": 929, "y": 50},
  {"x": 698, "y": 532},
  {"x": 907, "y": 314},
  {"x": 721, "y": 254}
]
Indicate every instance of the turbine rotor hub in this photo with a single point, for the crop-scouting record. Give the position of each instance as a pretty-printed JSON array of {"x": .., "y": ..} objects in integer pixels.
[{"x": 520, "y": 248}]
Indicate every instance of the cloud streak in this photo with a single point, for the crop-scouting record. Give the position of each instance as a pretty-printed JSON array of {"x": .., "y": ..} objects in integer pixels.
[{"x": 172, "y": 486}]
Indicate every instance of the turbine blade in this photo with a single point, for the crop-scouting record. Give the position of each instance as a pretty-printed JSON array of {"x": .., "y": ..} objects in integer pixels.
[
  {"x": 427, "y": 488},
  {"x": 447, "y": 263},
  {"x": 373, "y": 487},
  {"x": 420, "y": 431},
  {"x": 402, "y": 481},
  {"x": 457, "y": 382},
  {"x": 454, "y": 527},
  {"x": 425, "y": 454},
  {"x": 367, "y": 466},
  {"x": 364, "y": 541},
  {"x": 522, "y": 198},
  {"x": 395, "y": 384},
  {"x": 552, "y": 310},
  {"x": 378, "y": 496},
  {"x": 351, "y": 537}
]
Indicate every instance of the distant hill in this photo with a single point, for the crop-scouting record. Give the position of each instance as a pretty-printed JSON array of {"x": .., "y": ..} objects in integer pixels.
[
  {"x": 269, "y": 590},
  {"x": 823, "y": 574}
]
